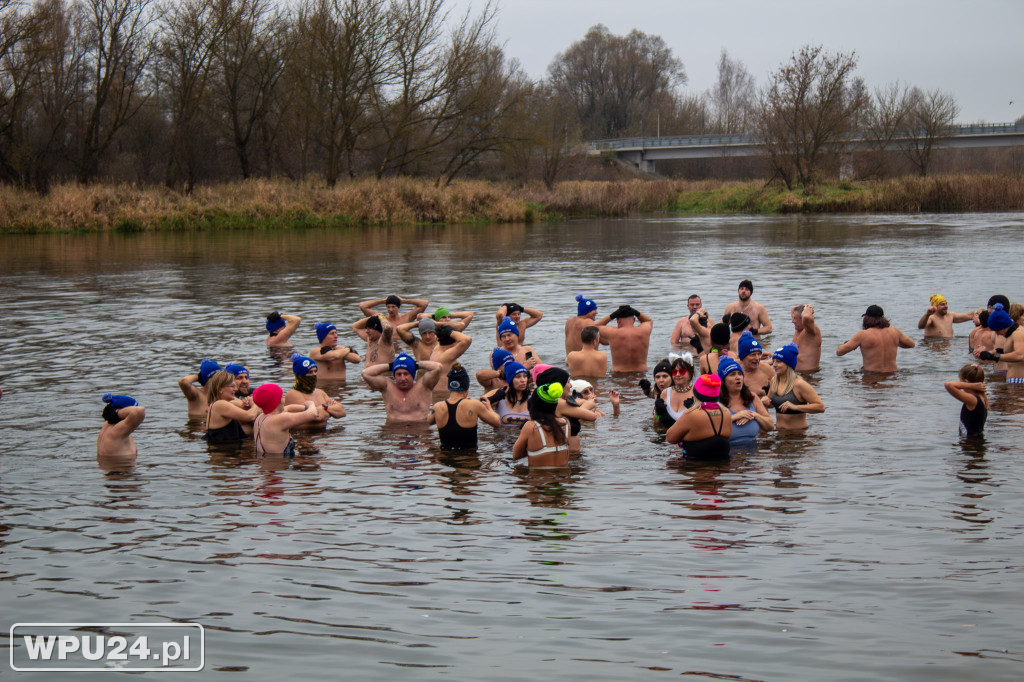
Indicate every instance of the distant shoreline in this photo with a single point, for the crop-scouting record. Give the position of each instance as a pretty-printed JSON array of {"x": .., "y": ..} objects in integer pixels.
[{"x": 284, "y": 204}]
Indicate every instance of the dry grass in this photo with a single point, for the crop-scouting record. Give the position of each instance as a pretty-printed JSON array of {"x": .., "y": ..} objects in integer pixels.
[{"x": 278, "y": 204}]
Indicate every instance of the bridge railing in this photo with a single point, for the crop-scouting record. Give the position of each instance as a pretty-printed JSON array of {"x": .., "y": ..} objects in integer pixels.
[{"x": 735, "y": 140}]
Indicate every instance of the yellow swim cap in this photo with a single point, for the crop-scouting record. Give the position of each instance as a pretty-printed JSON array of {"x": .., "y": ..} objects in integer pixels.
[{"x": 938, "y": 299}]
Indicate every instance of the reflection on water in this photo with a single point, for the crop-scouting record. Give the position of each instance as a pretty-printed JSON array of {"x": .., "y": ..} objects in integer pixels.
[{"x": 789, "y": 560}]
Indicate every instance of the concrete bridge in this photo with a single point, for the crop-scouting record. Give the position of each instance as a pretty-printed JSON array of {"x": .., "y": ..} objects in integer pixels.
[{"x": 642, "y": 152}]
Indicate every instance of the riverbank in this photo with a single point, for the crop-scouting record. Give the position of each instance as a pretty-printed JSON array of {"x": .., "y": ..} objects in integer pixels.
[{"x": 283, "y": 204}]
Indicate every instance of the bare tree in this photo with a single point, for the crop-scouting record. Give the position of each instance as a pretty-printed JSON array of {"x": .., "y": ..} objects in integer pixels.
[
  {"x": 885, "y": 117},
  {"x": 930, "y": 118},
  {"x": 807, "y": 111},
  {"x": 733, "y": 97},
  {"x": 119, "y": 49},
  {"x": 612, "y": 80}
]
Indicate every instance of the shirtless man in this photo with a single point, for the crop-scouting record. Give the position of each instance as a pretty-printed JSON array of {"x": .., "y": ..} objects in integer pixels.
[
  {"x": 1012, "y": 334},
  {"x": 305, "y": 371},
  {"x": 424, "y": 346},
  {"x": 586, "y": 314},
  {"x": 937, "y": 321},
  {"x": 515, "y": 311},
  {"x": 760, "y": 323},
  {"x": 243, "y": 388},
  {"x": 693, "y": 330},
  {"x": 807, "y": 337},
  {"x": 878, "y": 342},
  {"x": 757, "y": 375},
  {"x": 451, "y": 345},
  {"x": 589, "y": 362},
  {"x": 508, "y": 336},
  {"x": 393, "y": 303},
  {"x": 406, "y": 399},
  {"x": 629, "y": 341},
  {"x": 738, "y": 323},
  {"x": 122, "y": 415},
  {"x": 280, "y": 328},
  {"x": 494, "y": 378},
  {"x": 377, "y": 333},
  {"x": 195, "y": 396},
  {"x": 330, "y": 358}
]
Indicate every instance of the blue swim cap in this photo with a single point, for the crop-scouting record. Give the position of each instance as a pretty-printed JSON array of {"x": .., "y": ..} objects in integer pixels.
[
  {"x": 999, "y": 319},
  {"x": 507, "y": 325},
  {"x": 301, "y": 364},
  {"x": 584, "y": 305},
  {"x": 322, "y": 330},
  {"x": 119, "y": 401},
  {"x": 500, "y": 357},
  {"x": 207, "y": 368},
  {"x": 236, "y": 369},
  {"x": 747, "y": 344},
  {"x": 404, "y": 361},
  {"x": 787, "y": 354},
  {"x": 512, "y": 369},
  {"x": 727, "y": 366}
]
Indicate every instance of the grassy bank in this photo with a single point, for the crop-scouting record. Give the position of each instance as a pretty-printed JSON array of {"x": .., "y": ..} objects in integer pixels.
[{"x": 282, "y": 204}]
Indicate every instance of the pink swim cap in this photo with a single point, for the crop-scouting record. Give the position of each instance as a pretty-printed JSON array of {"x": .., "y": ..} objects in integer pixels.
[
  {"x": 267, "y": 397},
  {"x": 707, "y": 387}
]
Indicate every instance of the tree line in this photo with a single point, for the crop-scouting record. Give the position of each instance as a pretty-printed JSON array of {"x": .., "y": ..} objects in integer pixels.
[{"x": 182, "y": 92}]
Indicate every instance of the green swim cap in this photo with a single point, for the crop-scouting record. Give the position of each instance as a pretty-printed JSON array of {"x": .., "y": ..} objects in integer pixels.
[
  {"x": 441, "y": 312},
  {"x": 549, "y": 393}
]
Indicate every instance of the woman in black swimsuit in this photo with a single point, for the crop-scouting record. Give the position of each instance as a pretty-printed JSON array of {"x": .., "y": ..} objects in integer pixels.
[
  {"x": 970, "y": 390},
  {"x": 703, "y": 431},
  {"x": 225, "y": 414},
  {"x": 456, "y": 416}
]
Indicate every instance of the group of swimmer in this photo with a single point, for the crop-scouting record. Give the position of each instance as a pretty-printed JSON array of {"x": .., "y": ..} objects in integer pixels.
[{"x": 709, "y": 397}]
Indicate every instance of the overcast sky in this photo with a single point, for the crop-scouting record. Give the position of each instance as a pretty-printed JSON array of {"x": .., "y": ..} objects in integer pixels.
[{"x": 973, "y": 49}]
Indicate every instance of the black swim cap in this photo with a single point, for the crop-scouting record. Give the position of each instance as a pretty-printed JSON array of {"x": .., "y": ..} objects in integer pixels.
[
  {"x": 747, "y": 284},
  {"x": 393, "y": 300},
  {"x": 374, "y": 323},
  {"x": 553, "y": 375},
  {"x": 999, "y": 298},
  {"x": 720, "y": 335},
  {"x": 738, "y": 321}
]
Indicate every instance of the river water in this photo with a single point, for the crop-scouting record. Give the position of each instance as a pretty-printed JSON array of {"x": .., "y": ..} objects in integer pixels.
[{"x": 875, "y": 545}]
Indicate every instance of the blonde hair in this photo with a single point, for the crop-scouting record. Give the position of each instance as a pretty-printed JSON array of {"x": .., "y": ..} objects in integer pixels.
[
  {"x": 1015, "y": 311},
  {"x": 791, "y": 377},
  {"x": 217, "y": 382}
]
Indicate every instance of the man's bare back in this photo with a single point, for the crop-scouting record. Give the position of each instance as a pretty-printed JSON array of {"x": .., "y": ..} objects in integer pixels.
[
  {"x": 878, "y": 347},
  {"x": 587, "y": 363},
  {"x": 628, "y": 342}
]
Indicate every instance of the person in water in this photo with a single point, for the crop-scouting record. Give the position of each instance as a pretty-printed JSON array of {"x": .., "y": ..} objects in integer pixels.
[
  {"x": 406, "y": 398},
  {"x": 272, "y": 427},
  {"x": 378, "y": 334},
  {"x": 544, "y": 439},
  {"x": 392, "y": 305},
  {"x": 226, "y": 414},
  {"x": 494, "y": 378},
  {"x": 937, "y": 321},
  {"x": 791, "y": 396},
  {"x": 807, "y": 337},
  {"x": 330, "y": 358},
  {"x": 678, "y": 396},
  {"x": 241, "y": 374},
  {"x": 970, "y": 390},
  {"x": 456, "y": 416},
  {"x": 760, "y": 323},
  {"x": 122, "y": 414},
  {"x": 720, "y": 337},
  {"x": 703, "y": 431},
  {"x": 662, "y": 380},
  {"x": 422, "y": 347},
  {"x": 1012, "y": 354},
  {"x": 749, "y": 415},
  {"x": 515, "y": 312},
  {"x": 508, "y": 335},
  {"x": 583, "y": 391},
  {"x": 878, "y": 341},
  {"x": 589, "y": 361},
  {"x": 280, "y": 328},
  {"x": 757, "y": 374},
  {"x": 458, "y": 320},
  {"x": 691, "y": 332},
  {"x": 305, "y": 370},
  {"x": 586, "y": 313},
  {"x": 629, "y": 341},
  {"x": 510, "y": 402},
  {"x": 196, "y": 397}
]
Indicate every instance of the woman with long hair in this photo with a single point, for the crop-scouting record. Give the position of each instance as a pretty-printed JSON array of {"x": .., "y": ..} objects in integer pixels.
[
  {"x": 510, "y": 402},
  {"x": 749, "y": 415},
  {"x": 226, "y": 414},
  {"x": 544, "y": 440},
  {"x": 791, "y": 396}
]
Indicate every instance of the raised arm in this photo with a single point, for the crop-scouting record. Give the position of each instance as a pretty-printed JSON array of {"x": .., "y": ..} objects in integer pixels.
[
  {"x": 963, "y": 317},
  {"x": 432, "y": 375},
  {"x": 486, "y": 413},
  {"x": 461, "y": 319},
  {"x": 807, "y": 318},
  {"x": 360, "y": 328},
  {"x": 923, "y": 322},
  {"x": 367, "y": 307},
  {"x": 131, "y": 417},
  {"x": 852, "y": 344},
  {"x": 418, "y": 306},
  {"x": 961, "y": 391},
  {"x": 532, "y": 317},
  {"x": 462, "y": 343},
  {"x": 374, "y": 377},
  {"x": 187, "y": 386},
  {"x": 405, "y": 332}
]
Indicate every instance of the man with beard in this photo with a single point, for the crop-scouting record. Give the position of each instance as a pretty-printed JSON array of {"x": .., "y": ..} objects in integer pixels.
[
  {"x": 406, "y": 399},
  {"x": 305, "y": 370},
  {"x": 760, "y": 323},
  {"x": 242, "y": 387}
]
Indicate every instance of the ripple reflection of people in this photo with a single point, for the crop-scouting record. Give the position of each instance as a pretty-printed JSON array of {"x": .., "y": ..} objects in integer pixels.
[
  {"x": 791, "y": 396},
  {"x": 544, "y": 440},
  {"x": 970, "y": 390},
  {"x": 115, "y": 445}
]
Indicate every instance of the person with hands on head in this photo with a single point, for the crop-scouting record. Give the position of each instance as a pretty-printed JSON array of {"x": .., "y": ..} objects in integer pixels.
[
  {"x": 629, "y": 340},
  {"x": 424, "y": 346},
  {"x": 791, "y": 396},
  {"x": 196, "y": 398},
  {"x": 970, "y": 390},
  {"x": 406, "y": 398},
  {"x": 226, "y": 414},
  {"x": 586, "y": 313},
  {"x": 330, "y": 358},
  {"x": 457, "y": 320},
  {"x": 280, "y": 328},
  {"x": 271, "y": 429},
  {"x": 122, "y": 414},
  {"x": 515, "y": 312},
  {"x": 305, "y": 370},
  {"x": 378, "y": 334},
  {"x": 393, "y": 303},
  {"x": 456, "y": 416}
]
